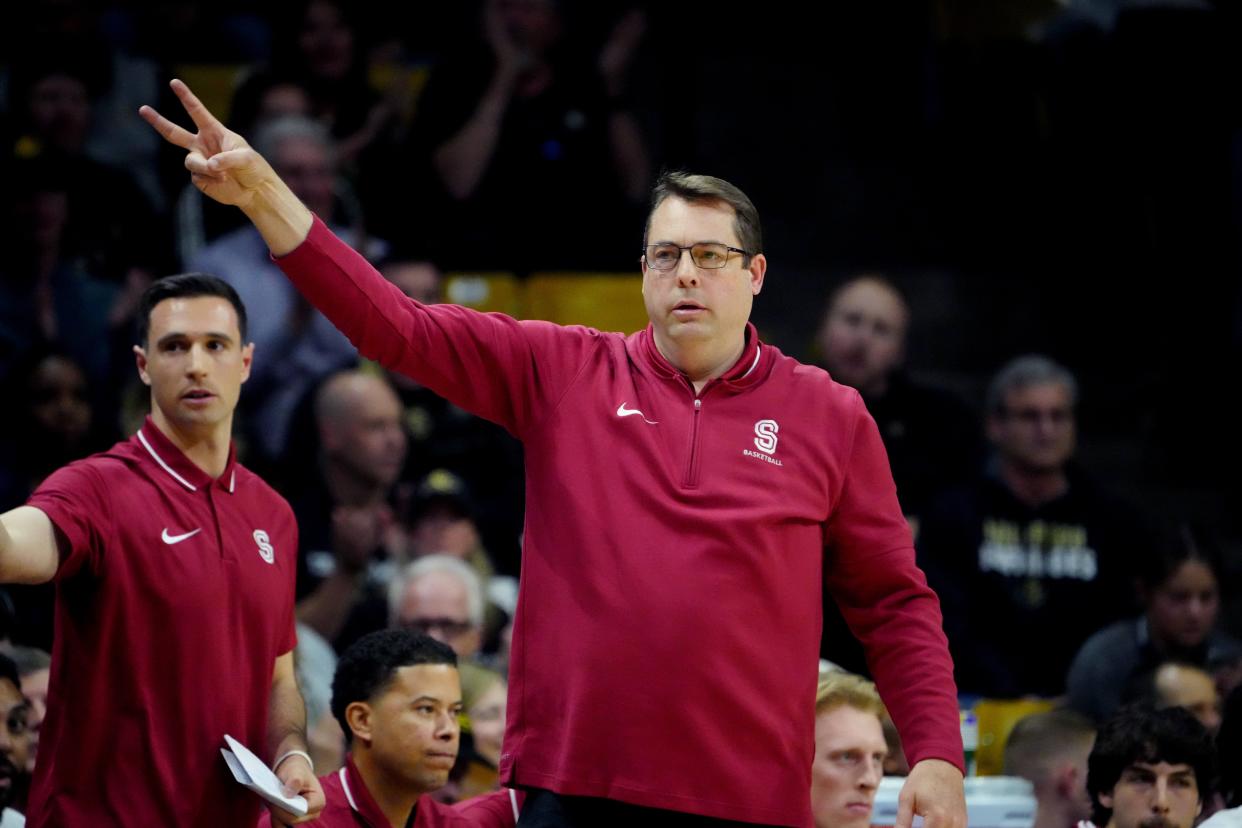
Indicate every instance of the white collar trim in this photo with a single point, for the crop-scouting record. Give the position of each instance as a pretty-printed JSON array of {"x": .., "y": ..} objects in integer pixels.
[
  {"x": 142, "y": 438},
  {"x": 753, "y": 365},
  {"x": 345, "y": 787}
]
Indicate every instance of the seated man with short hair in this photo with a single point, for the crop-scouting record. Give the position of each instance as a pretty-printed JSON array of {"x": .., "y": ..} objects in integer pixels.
[
  {"x": 397, "y": 696},
  {"x": 1050, "y": 750},
  {"x": 849, "y": 751},
  {"x": 1150, "y": 769}
]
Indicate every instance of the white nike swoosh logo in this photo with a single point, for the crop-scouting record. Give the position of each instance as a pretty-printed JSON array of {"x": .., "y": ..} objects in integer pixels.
[
  {"x": 171, "y": 539},
  {"x": 622, "y": 411}
]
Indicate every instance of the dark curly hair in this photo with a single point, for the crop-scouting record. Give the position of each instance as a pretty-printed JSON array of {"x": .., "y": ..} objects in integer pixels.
[
  {"x": 1141, "y": 734},
  {"x": 371, "y": 662}
]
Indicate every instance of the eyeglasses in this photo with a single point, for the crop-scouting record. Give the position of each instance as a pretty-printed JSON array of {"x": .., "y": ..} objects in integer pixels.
[
  {"x": 447, "y": 626},
  {"x": 707, "y": 255}
]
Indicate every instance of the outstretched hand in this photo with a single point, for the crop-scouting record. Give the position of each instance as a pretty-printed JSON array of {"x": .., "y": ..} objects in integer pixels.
[{"x": 220, "y": 162}]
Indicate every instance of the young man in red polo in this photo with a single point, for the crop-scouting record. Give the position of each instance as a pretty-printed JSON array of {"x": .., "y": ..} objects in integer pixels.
[
  {"x": 397, "y": 696},
  {"x": 174, "y": 570}
]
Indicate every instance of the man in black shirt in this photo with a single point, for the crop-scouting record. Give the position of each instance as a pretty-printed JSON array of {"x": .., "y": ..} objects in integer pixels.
[{"x": 1031, "y": 558}]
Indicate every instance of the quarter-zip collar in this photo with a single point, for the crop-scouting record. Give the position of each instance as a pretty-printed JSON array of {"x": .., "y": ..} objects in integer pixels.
[{"x": 752, "y": 366}]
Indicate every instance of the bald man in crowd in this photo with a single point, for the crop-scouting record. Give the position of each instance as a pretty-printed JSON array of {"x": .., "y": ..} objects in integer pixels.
[
  {"x": 1178, "y": 684},
  {"x": 346, "y": 509}
]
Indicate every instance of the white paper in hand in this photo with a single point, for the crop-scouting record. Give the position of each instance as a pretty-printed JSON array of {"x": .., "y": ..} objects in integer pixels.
[{"x": 250, "y": 771}]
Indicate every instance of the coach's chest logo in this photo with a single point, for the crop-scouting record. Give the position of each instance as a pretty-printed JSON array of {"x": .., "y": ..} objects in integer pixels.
[
  {"x": 765, "y": 442},
  {"x": 266, "y": 552}
]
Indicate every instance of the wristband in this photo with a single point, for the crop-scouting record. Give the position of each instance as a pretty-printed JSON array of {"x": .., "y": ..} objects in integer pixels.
[{"x": 289, "y": 753}]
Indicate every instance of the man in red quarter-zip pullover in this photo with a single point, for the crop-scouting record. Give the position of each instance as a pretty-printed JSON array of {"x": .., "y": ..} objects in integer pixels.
[{"x": 683, "y": 486}]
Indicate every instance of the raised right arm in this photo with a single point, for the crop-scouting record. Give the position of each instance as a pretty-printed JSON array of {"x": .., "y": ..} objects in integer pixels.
[
  {"x": 29, "y": 553},
  {"x": 489, "y": 364},
  {"x": 506, "y": 371}
]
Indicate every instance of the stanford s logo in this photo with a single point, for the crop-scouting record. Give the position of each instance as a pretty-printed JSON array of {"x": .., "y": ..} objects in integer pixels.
[
  {"x": 265, "y": 546},
  {"x": 765, "y": 435}
]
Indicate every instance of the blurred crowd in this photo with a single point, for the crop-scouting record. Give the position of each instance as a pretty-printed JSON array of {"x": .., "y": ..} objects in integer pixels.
[{"x": 507, "y": 136}]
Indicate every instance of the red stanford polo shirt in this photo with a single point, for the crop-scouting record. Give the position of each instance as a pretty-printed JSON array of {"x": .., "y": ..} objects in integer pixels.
[
  {"x": 349, "y": 804},
  {"x": 171, "y": 608}
]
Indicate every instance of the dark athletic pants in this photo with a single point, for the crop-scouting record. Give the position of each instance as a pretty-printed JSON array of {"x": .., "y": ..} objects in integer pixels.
[{"x": 545, "y": 809}]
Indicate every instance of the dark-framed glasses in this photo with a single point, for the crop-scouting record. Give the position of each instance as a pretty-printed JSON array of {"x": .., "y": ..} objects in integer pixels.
[{"x": 707, "y": 255}]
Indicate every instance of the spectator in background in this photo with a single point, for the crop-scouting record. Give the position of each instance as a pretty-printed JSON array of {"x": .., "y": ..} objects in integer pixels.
[
  {"x": 267, "y": 96},
  {"x": 363, "y": 102},
  {"x": 1150, "y": 768},
  {"x": 1050, "y": 751},
  {"x": 525, "y": 121},
  {"x": 441, "y": 521},
  {"x": 83, "y": 37},
  {"x": 486, "y": 711},
  {"x": 849, "y": 751},
  {"x": 1177, "y": 685},
  {"x": 1032, "y": 558},
  {"x": 440, "y": 596},
  {"x": 14, "y": 745},
  {"x": 1189, "y": 687},
  {"x": 348, "y": 534},
  {"x": 1179, "y": 586},
  {"x": 299, "y": 346},
  {"x": 478, "y": 761},
  {"x": 486, "y": 458},
  {"x": 323, "y": 52},
  {"x": 51, "y": 292},
  {"x": 49, "y": 423},
  {"x": 109, "y": 224},
  {"x": 931, "y": 438},
  {"x": 34, "y": 670}
]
